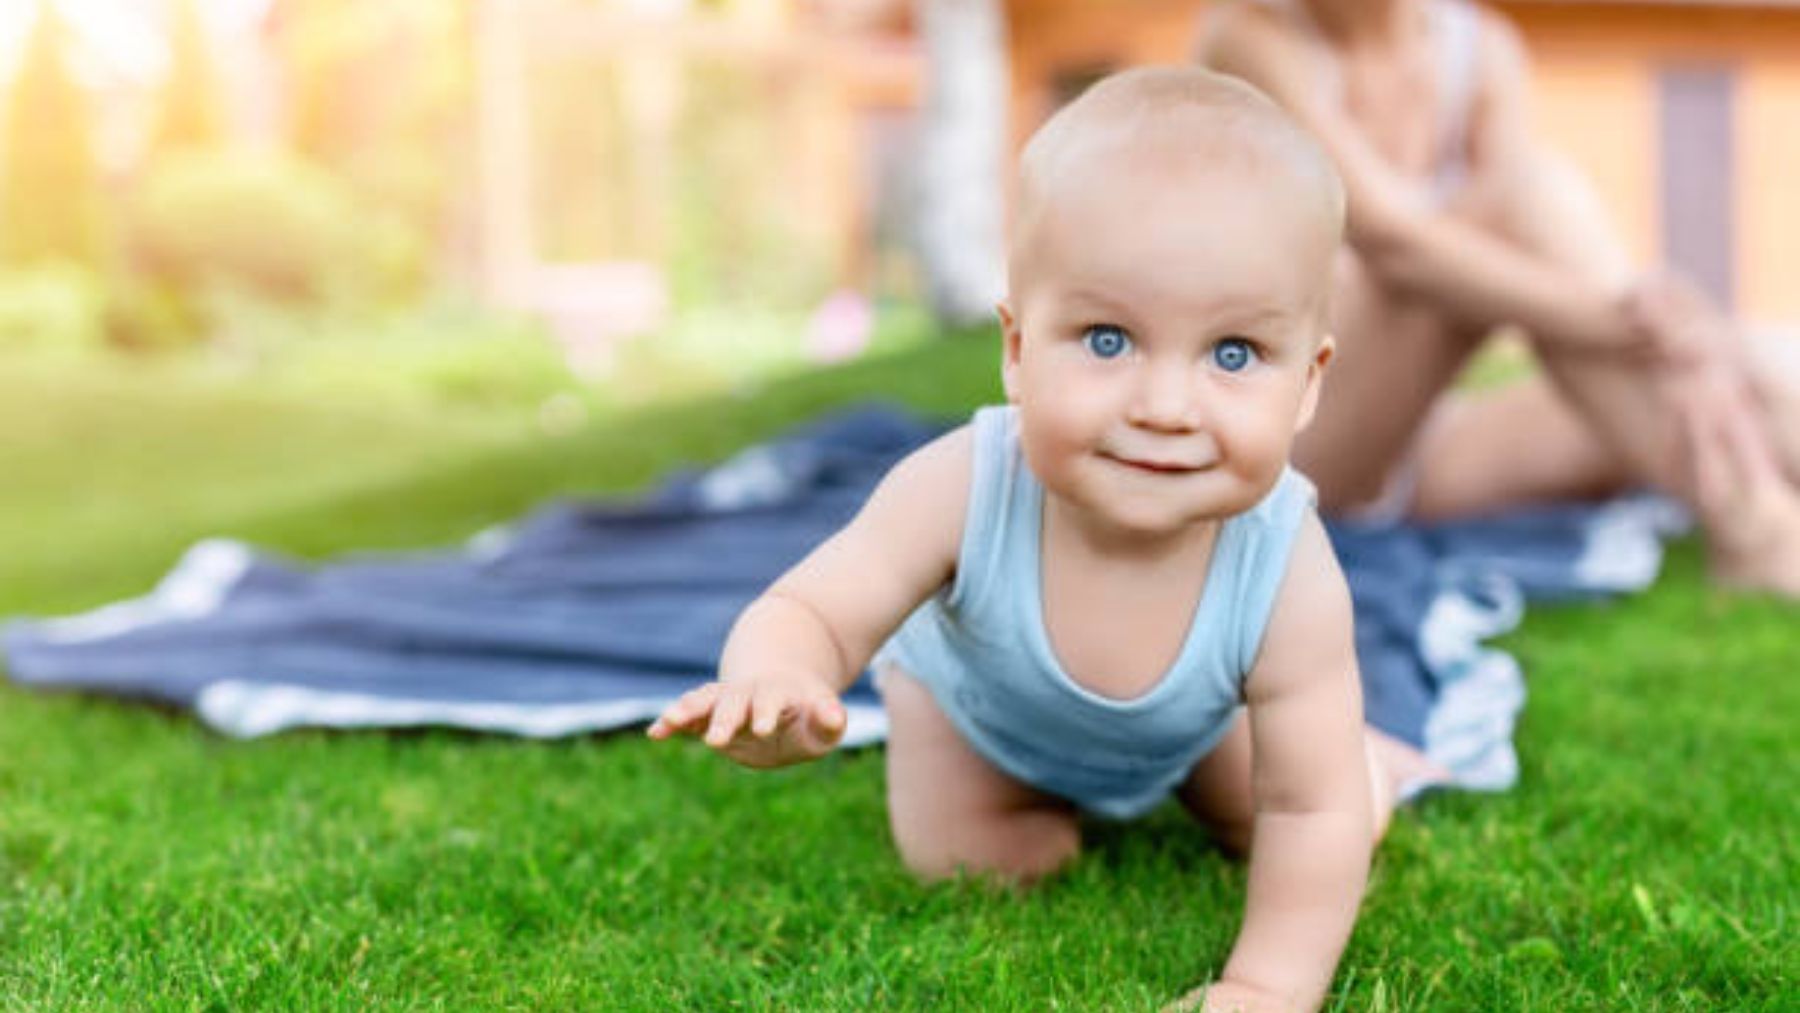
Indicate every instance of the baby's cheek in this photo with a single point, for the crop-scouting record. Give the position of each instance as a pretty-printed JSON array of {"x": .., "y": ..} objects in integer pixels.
[
  {"x": 1055, "y": 428},
  {"x": 1263, "y": 454},
  {"x": 1042, "y": 445},
  {"x": 1277, "y": 428}
]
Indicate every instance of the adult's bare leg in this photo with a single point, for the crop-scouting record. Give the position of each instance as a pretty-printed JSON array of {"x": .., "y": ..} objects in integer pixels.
[
  {"x": 1387, "y": 418},
  {"x": 1758, "y": 370},
  {"x": 1775, "y": 373},
  {"x": 1526, "y": 442},
  {"x": 1394, "y": 362},
  {"x": 952, "y": 811},
  {"x": 1512, "y": 446},
  {"x": 1664, "y": 425}
]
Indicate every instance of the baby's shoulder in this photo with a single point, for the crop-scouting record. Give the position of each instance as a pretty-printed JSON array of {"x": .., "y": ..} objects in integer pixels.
[
  {"x": 912, "y": 523},
  {"x": 1310, "y": 619},
  {"x": 948, "y": 457},
  {"x": 985, "y": 448},
  {"x": 934, "y": 480},
  {"x": 1311, "y": 561}
]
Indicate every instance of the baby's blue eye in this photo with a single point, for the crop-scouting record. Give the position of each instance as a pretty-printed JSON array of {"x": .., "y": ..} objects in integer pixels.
[
  {"x": 1233, "y": 354},
  {"x": 1105, "y": 342}
]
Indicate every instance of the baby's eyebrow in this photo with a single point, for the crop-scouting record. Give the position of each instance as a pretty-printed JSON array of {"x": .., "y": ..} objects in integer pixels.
[
  {"x": 1096, "y": 298},
  {"x": 1256, "y": 318},
  {"x": 1227, "y": 316}
]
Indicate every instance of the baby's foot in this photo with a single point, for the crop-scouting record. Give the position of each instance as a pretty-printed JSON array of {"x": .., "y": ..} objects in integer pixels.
[
  {"x": 1397, "y": 772},
  {"x": 1407, "y": 769}
]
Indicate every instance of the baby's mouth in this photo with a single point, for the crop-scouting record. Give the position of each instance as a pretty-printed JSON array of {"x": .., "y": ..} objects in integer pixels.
[{"x": 1156, "y": 466}]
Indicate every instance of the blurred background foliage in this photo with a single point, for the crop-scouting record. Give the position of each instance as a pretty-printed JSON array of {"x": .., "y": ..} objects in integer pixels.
[
  {"x": 51, "y": 200},
  {"x": 293, "y": 188}
]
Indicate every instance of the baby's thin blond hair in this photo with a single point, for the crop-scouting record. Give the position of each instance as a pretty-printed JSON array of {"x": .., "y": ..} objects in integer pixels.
[{"x": 1192, "y": 119}]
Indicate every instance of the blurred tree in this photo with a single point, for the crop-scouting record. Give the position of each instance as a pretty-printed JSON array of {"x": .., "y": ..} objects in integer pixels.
[
  {"x": 380, "y": 92},
  {"x": 49, "y": 195},
  {"x": 190, "y": 115},
  {"x": 318, "y": 41},
  {"x": 963, "y": 153}
]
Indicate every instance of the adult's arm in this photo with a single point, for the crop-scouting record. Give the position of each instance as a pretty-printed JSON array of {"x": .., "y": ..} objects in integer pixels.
[{"x": 1413, "y": 248}]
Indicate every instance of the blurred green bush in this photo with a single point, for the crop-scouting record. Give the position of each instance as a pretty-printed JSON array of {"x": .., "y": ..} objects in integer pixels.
[
  {"x": 444, "y": 350},
  {"x": 57, "y": 307},
  {"x": 268, "y": 225}
]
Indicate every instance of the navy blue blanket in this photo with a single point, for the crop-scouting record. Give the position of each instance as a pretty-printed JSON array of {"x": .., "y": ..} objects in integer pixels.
[{"x": 588, "y": 616}]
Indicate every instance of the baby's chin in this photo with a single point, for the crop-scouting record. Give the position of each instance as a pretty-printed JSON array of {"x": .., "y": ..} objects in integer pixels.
[{"x": 1155, "y": 517}]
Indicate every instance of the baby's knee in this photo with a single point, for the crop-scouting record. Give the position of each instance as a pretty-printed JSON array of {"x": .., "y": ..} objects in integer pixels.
[
  {"x": 1232, "y": 835},
  {"x": 1017, "y": 849}
]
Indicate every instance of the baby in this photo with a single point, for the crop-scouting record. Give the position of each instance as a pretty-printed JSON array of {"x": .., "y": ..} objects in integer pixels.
[{"x": 1113, "y": 589}]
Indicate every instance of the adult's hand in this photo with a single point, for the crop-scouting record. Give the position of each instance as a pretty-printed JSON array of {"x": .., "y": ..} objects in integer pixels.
[{"x": 1684, "y": 329}]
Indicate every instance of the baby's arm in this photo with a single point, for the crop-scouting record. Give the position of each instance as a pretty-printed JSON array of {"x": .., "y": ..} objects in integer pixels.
[
  {"x": 805, "y": 640},
  {"x": 1309, "y": 855}
]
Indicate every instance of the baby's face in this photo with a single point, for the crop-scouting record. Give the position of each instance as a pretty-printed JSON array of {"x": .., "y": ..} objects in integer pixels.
[{"x": 1164, "y": 341}]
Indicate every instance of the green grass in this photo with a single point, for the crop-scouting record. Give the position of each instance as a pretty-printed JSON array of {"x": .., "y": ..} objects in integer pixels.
[{"x": 1646, "y": 860}]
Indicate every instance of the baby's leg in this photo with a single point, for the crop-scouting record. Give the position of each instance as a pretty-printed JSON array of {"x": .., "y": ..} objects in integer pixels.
[
  {"x": 1220, "y": 793},
  {"x": 952, "y": 811}
]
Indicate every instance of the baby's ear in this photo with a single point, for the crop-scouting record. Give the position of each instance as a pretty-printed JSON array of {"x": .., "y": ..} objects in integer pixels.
[
  {"x": 1009, "y": 350},
  {"x": 1315, "y": 377}
]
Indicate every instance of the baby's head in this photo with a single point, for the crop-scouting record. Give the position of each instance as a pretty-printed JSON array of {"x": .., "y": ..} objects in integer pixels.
[{"x": 1165, "y": 322}]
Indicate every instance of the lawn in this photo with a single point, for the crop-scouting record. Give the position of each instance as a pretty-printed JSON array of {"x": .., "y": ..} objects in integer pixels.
[{"x": 1645, "y": 861}]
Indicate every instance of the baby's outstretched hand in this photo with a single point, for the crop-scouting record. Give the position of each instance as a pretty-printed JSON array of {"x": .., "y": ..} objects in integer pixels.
[{"x": 771, "y": 722}]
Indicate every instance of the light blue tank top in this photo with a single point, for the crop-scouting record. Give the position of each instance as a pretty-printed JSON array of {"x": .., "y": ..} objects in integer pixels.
[{"x": 981, "y": 647}]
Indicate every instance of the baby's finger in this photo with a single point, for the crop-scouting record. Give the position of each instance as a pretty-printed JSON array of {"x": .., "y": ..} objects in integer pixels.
[
  {"x": 767, "y": 709},
  {"x": 823, "y": 725},
  {"x": 728, "y": 715},
  {"x": 828, "y": 717},
  {"x": 687, "y": 713}
]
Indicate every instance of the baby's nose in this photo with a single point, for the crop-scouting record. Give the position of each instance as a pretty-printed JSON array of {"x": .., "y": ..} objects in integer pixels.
[{"x": 1167, "y": 400}]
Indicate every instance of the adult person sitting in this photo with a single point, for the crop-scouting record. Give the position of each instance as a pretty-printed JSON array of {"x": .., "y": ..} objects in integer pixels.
[{"x": 1461, "y": 223}]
